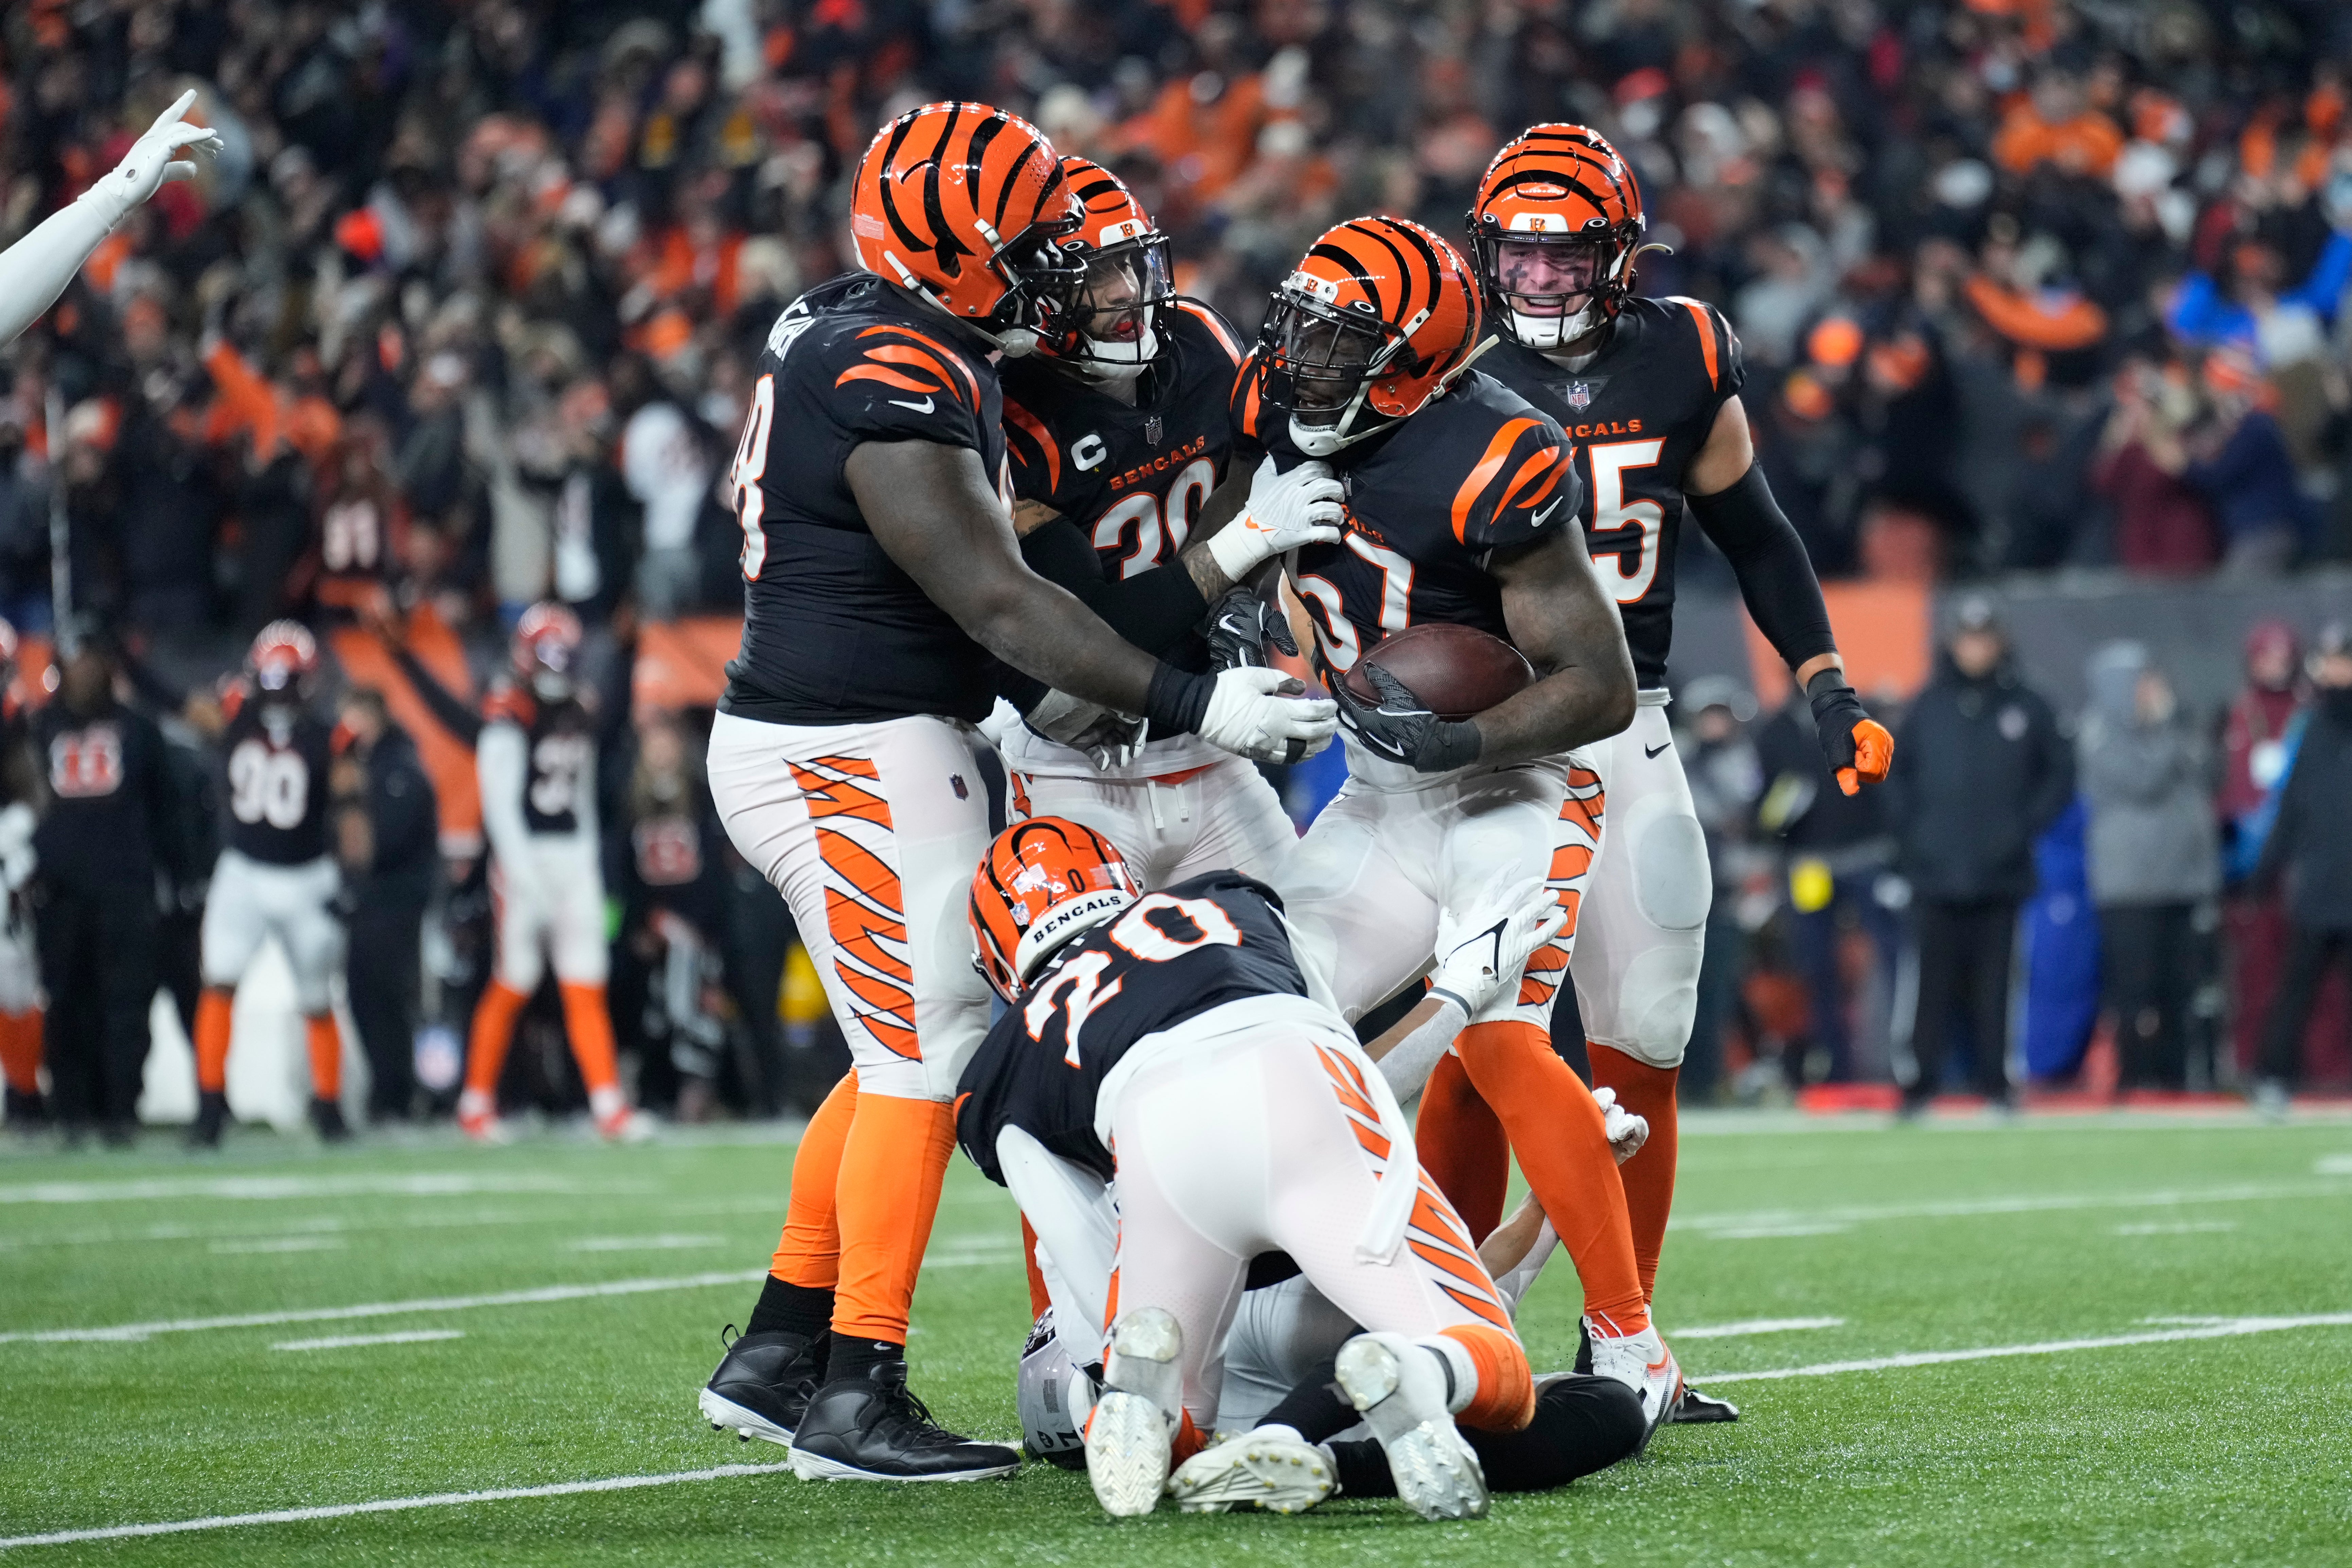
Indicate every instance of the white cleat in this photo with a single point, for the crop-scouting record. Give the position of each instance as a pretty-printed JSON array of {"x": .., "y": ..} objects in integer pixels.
[
  {"x": 1271, "y": 1467},
  {"x": 1642, "y": 1363},
  {"x": 725, "y": 1416},
  {"x": 1130, "y": 1435},
  {"x": 1399, "y": 1389}
]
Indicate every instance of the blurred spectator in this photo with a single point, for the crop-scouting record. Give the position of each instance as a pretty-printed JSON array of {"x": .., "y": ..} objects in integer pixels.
[
  {"x": 668, "y": 855},
  {"x": 1725, "y": 780},
  {"x": 2309, "y": 847},
  {"x": 25, "y": 587},
  {"x": 1979, "y": 771},
  {"x": 2154, "y": 857},
  {"x": 387, "y": 841},
  {"x": 2239, "y": 460},
  {"x": 2163, "y": 524}
]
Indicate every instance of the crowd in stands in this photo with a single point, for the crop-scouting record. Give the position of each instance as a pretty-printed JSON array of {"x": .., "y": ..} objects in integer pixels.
[{"x": 463, "y": 317}]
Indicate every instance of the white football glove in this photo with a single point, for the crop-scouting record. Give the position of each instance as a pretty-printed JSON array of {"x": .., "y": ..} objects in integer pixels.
[
  {"x": 1283, "y": 511},
  {"x": 150, "y": 165},
  {"x": 1627, "y": 1132},
  {"x": 1482, "y": 950},
  {"x": 1259, "y": 714}
]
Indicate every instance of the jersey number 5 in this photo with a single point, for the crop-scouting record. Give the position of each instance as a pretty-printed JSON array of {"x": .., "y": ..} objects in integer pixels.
[
  {"x": 1077, "y": 989},
  {"x": 751, "y": 467},
  {"x": 1626, "y": 570}
]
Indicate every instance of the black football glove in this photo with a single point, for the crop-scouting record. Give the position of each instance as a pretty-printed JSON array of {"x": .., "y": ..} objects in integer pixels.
[
  {"x": 1857, "y": 746},
  {"x": 1400, "y": 728},
  {"x": 1242, "y": 627}
]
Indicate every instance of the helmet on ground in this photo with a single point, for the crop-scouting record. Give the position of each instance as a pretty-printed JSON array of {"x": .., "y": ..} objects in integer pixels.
[
  {"x": 546, "y": 648},
  {"x": 1111, "y": 328},
  {"x": 282, "y": 660},
  {"x": 1554, "y": 231},
  {"x": 962, "y": 204},
  {"x": 1376, "y": 320},
  {"x": 1055, "y": 1396},
  {"x": 1042, "y": 882}
]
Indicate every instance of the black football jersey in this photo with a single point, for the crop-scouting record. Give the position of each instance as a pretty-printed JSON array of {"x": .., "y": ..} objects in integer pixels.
[
  {"x": 1171, "y": 956},
  {"x": 1133, "y": 478},
  {"x": 275, "y": 758},
  {"x": 1428, "y": 502},
  {"x": 834, "y": 632},
  {"x": 559, "y": 757},
  {"x": 1638, "y": 414}
]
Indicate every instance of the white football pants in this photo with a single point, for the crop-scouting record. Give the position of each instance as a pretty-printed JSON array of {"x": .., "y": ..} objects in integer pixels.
[{"x": 251, "y": 900}]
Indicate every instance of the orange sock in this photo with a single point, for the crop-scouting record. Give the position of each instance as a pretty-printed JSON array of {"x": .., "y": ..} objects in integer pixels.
[
  {"x": 891, "y": 1167},
  {"x": 1649, "y": 1176},
  {"x": 493, "y": 1032},
  {"x": 1039, "y": 1298},
  {"x": 212, "y": 1038},
  {"x": 1505, "y": 1400},
  {"x": 1462, "y": 1146},
  {"x": 1558, "y": 1133},
  {"x": 326, "y": 1045},
  {"x": 809, "y": 1252},
  {"x": 20, "y": 1050},
  {"x": 590, "y": 1024}
]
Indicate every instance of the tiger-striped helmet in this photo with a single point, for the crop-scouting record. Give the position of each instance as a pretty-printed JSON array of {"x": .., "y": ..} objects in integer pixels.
[
  {"x": 1110, "y": 329},
  {"x": 1043, "y": 881},
  {"x": 1372, "y": 324},
  {"x": 1555, "y": 231},
  {"x": 283, "y": 659},
  {"x": 961, "y": 203},
  {"x": 546, "y": 647}
]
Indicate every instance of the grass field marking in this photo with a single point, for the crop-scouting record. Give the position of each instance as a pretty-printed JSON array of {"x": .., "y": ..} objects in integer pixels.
[
  {"x": 319, "y": 1224},
  {"x": 2023, "y": 1203},
  {"x": 315, "y": 1242},
  {"x": 2227, "y": 1328},
  {"x": 387, "y": 1505},
  {"x": 2334, "y": 1165},
  {"x": 1774, "y": 1232},
  {"x": 354, "y": 1341},
  {"x": 666, "y": 1241},
  {"x": 256, "y": 1188},
  {"x": 534, "y": 1297},
  {"x": 2177, "y": 1227},
  {"x": 1756, "y": 1326}
]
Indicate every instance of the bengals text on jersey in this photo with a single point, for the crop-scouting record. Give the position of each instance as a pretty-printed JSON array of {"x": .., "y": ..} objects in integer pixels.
[
  {"x": 274, "y": 758},
  {"x": 1638, "y": 414},
  {"x": 834, "y": 631}
]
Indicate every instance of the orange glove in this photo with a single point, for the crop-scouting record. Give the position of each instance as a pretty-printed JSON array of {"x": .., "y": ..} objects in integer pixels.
[{"x": 1857, "y": 748}]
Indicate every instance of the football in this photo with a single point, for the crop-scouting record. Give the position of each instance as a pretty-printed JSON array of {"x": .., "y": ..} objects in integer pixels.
[{"x": 1458, "y": 670}]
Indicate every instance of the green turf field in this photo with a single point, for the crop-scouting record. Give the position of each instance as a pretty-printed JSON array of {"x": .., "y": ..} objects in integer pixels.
[{"x": 2224, "y": 1435}]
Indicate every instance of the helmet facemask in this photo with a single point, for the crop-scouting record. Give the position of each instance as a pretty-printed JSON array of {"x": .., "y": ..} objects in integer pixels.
[
  {"x": 1043, "y": 282},
  {"x": 1553, "y": 288},
  {"x": 1114, "y": 318},
  {"x": 1319, "y": 365}
]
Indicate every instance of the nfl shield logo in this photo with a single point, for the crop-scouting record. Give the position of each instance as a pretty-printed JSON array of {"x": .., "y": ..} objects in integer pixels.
[
  {"x": 1579, "y": 396},
  {"x": 1152, "y": 428}
]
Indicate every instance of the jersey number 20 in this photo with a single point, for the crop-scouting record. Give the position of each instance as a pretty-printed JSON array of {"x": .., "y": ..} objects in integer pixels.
[{"x": 1077, "y": 991}]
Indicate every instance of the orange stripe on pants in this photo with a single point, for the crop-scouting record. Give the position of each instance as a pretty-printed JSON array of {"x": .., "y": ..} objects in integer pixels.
[
  {"x": 325, "y": 1044},
  {"x": 20, "y": 1050},
  {"x": 891, "y": 1167},
  {"x": 212, "y": 1014},
  {"x": 1649, "y": 1176}
]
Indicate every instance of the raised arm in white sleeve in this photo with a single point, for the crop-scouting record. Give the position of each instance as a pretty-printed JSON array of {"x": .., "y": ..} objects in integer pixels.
[
  {"x": 501, "y": 762},
  {"x": 36, "y": 269}
]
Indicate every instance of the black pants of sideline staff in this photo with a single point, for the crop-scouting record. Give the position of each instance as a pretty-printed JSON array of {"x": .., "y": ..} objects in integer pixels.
[
  {"x": 2311, "y": 949},
  {"x": 98, "y": 946},
  {"x": 1964, "y": 957},
  {"x": 383, "y": 972}
]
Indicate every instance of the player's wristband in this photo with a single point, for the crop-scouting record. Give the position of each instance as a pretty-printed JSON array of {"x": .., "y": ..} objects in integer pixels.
[
  {"x": 1177, "y": 700},
  {"x": 1836, "y": 710},
  {"x": 1456, "y": 744}
]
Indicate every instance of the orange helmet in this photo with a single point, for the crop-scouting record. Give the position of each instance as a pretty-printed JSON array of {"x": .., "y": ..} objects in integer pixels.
[
  {"x": 961, "y": 204},
  {"x": 282, "y": 660},
  {"x": 1042, "y": 882},
  {"x": 546, "y": 646},
  {"x": 1109, "y": 328},
  {"x": 1372, "y": 324},
  {"x": 1570, "y": 212}
]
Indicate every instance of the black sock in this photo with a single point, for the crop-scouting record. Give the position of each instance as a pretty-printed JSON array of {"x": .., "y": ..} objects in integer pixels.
[
  {"x": 1317, "y": 1409},
  {"x": 1363, "y": 1471},
  {"x": 784, "y": 1307},
  {"x": 853, "y": 1359}
]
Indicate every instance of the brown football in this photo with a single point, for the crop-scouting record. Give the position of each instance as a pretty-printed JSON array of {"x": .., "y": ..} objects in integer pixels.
[{"x": 1458, "y": 671}]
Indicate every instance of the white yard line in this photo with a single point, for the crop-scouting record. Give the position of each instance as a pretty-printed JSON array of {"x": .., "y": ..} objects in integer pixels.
[
  {"x": 2228, "y": 1328},
  {"x": 2179, "y": 1228},
  {"x": 1772, "y": 1232},
  {"x": 387, "y": 1505},
  {"x": 322, "y": 1224},
  {"x": 2334, "y": 1165},
  {"x": 312, "y": 1243},
  {"x": 2026, "y": 1203},
  {"x": 440, "y": 1183},
  {"x": 1755, "y": 1326},
  {"x": 351, "y": 1340},
  {"x": 667, "y": 1241}
]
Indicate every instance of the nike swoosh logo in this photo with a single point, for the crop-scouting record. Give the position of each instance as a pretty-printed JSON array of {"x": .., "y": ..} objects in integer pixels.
[
  {"x": 1651, "y": 751},
  {"x": 1544, "y": 516},
  {"x": 927, "y": 405}
]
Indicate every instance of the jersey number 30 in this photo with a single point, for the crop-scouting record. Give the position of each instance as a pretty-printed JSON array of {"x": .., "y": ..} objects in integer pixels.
[{"x": 1077, "y": 989}]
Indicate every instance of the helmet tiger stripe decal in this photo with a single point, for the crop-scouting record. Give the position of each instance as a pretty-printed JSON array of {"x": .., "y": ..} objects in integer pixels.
[
  {"x": 1555, "y": 230},
  {"x": 1043, "y": 881},
  {"x": 1111, "y": 330}
]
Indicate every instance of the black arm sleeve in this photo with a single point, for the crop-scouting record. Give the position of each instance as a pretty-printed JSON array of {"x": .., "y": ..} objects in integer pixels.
[
  {"x": 1154, "y": 611},
  {"x": 1776, "y": 576},
  {"x": 455, "y": 718}
]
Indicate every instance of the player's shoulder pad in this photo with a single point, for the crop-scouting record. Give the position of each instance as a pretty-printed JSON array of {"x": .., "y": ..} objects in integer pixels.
[
  {"x": 1191, "y": 321},
  {"x": 509, "y": 703},
  {"x": 1517, "y": 476},
  {"x": 1033, "y": 449},
  {"x": 1253, "y": 421},
  {"x": 1716, "y": 344}
]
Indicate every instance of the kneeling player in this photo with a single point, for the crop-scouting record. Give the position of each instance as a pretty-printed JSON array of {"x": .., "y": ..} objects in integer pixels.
[
  {"x": 1178, "y": 1028},
  {"x": 274, "y": 877}
]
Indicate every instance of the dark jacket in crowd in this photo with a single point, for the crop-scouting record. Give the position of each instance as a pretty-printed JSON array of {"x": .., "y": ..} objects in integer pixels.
[
  {"x": 2311, "y": 839},
  {"x": 1979, "y": 771},
  {"x": 113, "y": 815},
  {"x": 402, "y": 819},
  {"x": 2148, "y": 784}
]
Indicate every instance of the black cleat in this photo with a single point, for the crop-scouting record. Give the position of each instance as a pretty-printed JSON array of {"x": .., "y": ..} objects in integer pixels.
[
  {"x": 764, "y": 1384},
  {"x": 326, "y": 1119},
  {"x": 876, "y": 1430},
  {"x": 212, "y": 1115},
  {"x": 1693, "y": 1408},
  {"x": 25, "y": 1113}
]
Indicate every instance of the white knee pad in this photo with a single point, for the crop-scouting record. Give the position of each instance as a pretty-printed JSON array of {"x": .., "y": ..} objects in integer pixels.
[
  {"x": 1643, "y": 931},
  {"x": 1673, "y": 885}
]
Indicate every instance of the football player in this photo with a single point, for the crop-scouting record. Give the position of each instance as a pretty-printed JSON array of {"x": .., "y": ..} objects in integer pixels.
[
  {"x": 1649, "y": 391},
  {"x": 1178, "y": 1029},
  {"x": 275, "y": 876},
  {"x": 537, "y": 760},
  {"x": 1119, "y": 429},
  {"x": 883, "y": 583},
  {"x": 20, "y": 973},
  {"x": 1461, "y": 508}
]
